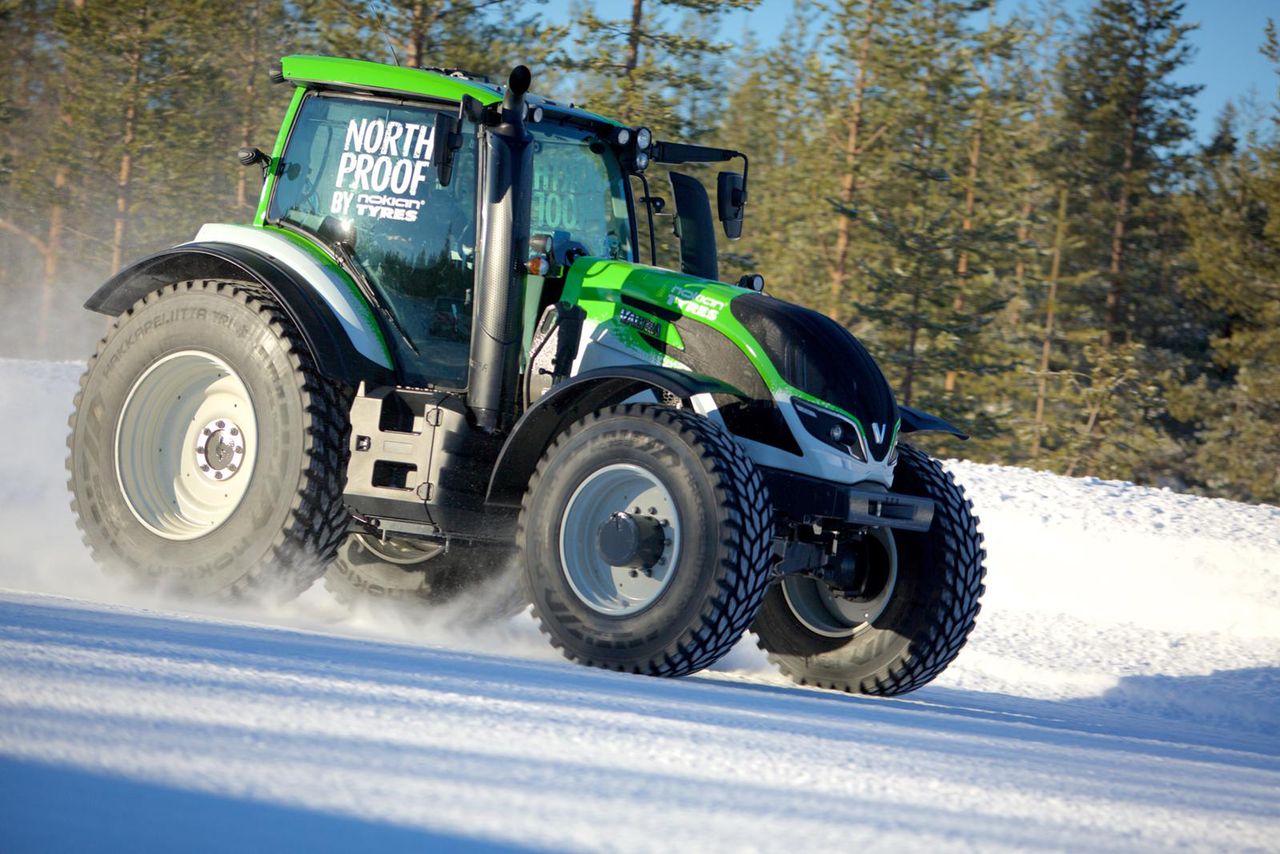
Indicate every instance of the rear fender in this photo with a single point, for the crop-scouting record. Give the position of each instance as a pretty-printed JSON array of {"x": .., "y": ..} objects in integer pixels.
[
  {"x": 342, "y": 336},
  {"x": 565, "y": 403}
]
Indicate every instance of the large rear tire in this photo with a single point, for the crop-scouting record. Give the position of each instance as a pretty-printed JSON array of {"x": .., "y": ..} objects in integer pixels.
[
  {"x": 927, "y": 602},
  {"x": 406, "y": 570},
  {"x": 645, "y": 541},
  {"x": 207, "y": 453}
]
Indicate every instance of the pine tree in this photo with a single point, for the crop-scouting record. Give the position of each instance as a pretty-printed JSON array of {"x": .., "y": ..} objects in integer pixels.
[
  {"x": 915, "y": 220},
  {"x": 642, "y": 69},
  {"x": 1125, "y": 120},
  {"x": 777, "y": 112},
  {"x": 486, "y": 37},
  {"x": 856, "y": 40},
  {"x": 1125, "y": 123},
  {"x": 1233, "y": 218},
  {"x": 142, "y": 83}
]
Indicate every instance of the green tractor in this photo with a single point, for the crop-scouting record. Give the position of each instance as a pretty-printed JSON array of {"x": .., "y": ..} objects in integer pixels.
[{"x": 435, "y": 362}]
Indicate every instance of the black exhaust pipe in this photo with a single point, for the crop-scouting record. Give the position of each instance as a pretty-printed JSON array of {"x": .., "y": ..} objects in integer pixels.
[
  {"x": 507, "y": 184},
  {"x": 513, "y": 103}
]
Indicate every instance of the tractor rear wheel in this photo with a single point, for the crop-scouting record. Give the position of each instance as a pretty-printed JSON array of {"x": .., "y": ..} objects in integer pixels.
[
  {"x": 645, "y": 540},
  {"x": 421, "y": 571},
  {"x": 207, "y": 454},
  {"x": 919, "y": 605}
]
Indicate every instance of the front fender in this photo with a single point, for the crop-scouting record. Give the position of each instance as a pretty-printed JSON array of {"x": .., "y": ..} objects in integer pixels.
[
  {"x": 917, "y": 421},
  {"x": 345, "y": 345},
  {"x": 565, "y": 403}
]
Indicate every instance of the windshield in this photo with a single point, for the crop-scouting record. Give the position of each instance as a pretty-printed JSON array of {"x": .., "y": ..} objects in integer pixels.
[
  {"x": 579, "y": 188},
  {"x": 368, "y": 167}
]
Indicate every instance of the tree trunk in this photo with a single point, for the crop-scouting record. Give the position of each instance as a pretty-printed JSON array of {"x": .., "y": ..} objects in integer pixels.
[
  {"x": 971, "y": 190},
  {"x": 633, "y": 37},
  {"x": 925, "y": 133},
  {"x": 966, "y": 225},
  {"x": 849, "y": 182},
  {"x": 909, "y": 376},
  {"x": 1111, "y": 319},
  {"x": 632, "y": 61},
  {"x": 249, "y": 121},
  {"x": 124, "y": 177},
  {"x": 1055, "y": 268},
  {"x": 52, "y": 255},
  {"x": 1020, "y": 265},
  {"x": 417, "y": 45}
]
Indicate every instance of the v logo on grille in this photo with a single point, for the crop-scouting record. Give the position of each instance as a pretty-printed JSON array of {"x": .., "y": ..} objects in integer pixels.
[{"x": 878, "y": 431}]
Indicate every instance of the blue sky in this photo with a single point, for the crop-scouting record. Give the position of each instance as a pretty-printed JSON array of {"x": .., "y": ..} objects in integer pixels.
[{"x": 1227, "y": 62}]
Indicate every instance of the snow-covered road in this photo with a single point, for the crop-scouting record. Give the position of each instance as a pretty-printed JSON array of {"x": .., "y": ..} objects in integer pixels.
[{"x": 1121, "y": 692}]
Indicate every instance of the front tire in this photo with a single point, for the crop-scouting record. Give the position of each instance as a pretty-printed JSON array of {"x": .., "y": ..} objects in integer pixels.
[
  {"x": 930, "y": 601},
  {"x": 644, "y": 537},
  {"x": 207, "y": 454}
]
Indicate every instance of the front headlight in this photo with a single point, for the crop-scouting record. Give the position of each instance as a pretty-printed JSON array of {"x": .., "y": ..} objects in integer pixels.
[
  {"x": 643, "y": 137},
  {"x": 831, "y": 429}
]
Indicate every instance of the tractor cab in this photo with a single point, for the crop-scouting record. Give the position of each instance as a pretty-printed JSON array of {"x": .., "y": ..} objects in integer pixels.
[{"x": 401, "y": 189}]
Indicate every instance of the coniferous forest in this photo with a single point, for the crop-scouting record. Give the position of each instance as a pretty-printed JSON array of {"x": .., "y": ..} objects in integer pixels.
[{"x": 1008, "y": 206}]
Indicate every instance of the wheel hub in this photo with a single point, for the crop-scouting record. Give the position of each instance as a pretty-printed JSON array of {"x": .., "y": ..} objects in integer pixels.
[
  {"x": 631, "y": 541},
  {"x": 620, "y": 539},
  {"x": 220, "y": 449},
  {"x": 854, "y": 593}
]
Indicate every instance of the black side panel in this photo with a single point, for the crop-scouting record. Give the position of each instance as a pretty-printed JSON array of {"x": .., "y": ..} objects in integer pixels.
[
  {"x": 332, "y": 349},
  {"x": 917, "y": 421},
  {"x": 819, "y": 356},
  {"x": 753, "y": 416},
  {"x": 571, "y": 400}
]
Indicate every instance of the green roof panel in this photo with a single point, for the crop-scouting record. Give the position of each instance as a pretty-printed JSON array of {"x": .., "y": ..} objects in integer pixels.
[{"x": 329, "y": 71}]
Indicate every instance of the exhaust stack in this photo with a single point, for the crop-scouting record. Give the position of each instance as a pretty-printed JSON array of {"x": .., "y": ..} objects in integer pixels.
[{"x": 507, "y": 185}]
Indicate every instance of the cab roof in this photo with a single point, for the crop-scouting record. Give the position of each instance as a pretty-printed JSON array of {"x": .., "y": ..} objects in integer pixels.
[{"x": 356, "y": 75}]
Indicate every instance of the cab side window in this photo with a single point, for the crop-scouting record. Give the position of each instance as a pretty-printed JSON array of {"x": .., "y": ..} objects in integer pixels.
[{"x": 367, "y": 169}]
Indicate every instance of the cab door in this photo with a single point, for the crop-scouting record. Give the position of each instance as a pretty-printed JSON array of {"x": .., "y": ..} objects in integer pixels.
[{"x": 366, "y": 168}]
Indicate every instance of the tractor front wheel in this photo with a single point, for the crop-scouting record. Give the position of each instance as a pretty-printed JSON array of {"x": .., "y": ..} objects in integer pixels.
[
  {"x": 917, "y": 606},
  {"x": 645, "y": 541}
]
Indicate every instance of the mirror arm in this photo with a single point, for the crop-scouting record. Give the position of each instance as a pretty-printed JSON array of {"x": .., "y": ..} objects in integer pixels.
[{"x": 746, "y": 166}]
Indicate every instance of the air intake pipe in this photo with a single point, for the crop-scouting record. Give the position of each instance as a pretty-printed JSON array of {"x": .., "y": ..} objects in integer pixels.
[{"x": 506, "y": 183}]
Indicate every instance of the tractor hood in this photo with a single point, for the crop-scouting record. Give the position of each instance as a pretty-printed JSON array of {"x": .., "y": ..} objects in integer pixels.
[{"x": 768, "y": 348}]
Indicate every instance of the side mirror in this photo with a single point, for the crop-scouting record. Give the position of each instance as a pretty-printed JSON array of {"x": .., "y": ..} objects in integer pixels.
[
  {"x": 731, "y": 199},
  {"x": 446, "y": 140},
  {"x": 251, "y": 156}
]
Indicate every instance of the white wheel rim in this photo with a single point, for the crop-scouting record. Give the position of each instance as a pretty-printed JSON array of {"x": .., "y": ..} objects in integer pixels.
[
  {"x": 825, "y": 613},
  {"x": 617, "y": 590},
  {"x": 185, "y": 445}
]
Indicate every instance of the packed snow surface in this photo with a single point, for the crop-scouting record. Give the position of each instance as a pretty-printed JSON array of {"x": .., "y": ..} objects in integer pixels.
[{"x": 1121, "y": 692}]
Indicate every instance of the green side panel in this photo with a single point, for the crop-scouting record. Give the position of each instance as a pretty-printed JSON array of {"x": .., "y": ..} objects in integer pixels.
[
  {"x": 375, "y": 77},
  {"x": 599, "y": 285},
  {"x": 281, "y": 138}
]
